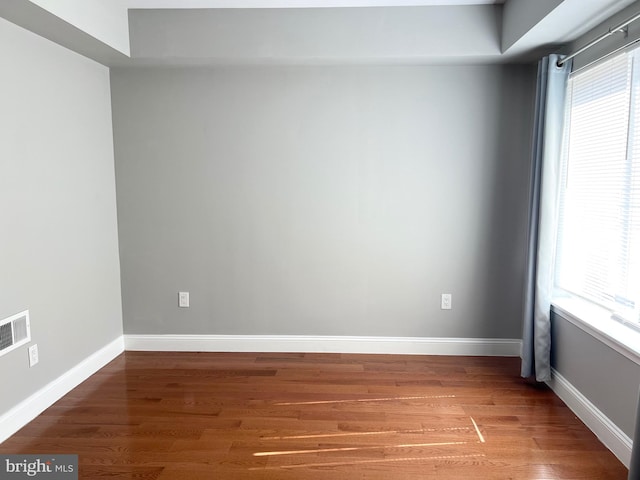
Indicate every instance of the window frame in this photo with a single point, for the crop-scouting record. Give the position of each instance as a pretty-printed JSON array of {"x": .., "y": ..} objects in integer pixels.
[{"x": 583, "y": 311}]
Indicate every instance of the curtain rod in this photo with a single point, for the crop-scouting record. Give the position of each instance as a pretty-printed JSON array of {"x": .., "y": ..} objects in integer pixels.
[{"x": 610, "y": 32}]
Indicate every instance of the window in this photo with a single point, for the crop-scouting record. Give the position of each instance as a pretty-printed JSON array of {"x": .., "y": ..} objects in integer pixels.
[{"x": 598, "y": 247}]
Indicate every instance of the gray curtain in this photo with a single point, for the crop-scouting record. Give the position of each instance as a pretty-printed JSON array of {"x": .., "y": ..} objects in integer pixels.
[{"x": 545, "y": 173}]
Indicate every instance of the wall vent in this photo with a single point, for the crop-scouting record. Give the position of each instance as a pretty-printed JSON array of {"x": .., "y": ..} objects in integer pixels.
[{"x": 14, "y": 332}]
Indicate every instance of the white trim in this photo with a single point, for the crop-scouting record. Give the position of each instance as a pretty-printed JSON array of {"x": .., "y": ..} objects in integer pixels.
[
  {"x": 27, "y": 410},
  {"x": 329, "y": 344},
  {"x": 608, "y": 432}
]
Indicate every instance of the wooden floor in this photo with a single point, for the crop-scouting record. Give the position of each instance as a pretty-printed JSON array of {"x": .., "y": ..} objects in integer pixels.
[{"x": 316, "y": 416}]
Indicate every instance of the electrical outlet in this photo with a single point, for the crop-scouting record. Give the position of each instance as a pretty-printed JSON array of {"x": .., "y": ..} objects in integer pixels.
[
  {"x": 183, "y": 299},
  {"x": 445, "y": 301},
  {"x": 33, "y": 355}
]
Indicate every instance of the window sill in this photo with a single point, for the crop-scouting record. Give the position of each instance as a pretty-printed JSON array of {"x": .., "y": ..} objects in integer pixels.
[{"x": 597, "y": 322}]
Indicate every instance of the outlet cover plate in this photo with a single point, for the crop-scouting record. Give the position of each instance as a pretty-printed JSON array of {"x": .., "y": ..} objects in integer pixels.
[
  {"x": 445, "y": 301},
  {"x": 33, "y": 355},
  {"x": 183, "y": 299}
]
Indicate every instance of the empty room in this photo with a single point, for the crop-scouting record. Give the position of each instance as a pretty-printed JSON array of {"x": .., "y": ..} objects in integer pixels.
[{"x": 319, "y": 239}]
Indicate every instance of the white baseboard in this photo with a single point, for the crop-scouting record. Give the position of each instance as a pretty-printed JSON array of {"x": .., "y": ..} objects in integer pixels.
[
  {"x": 24, "y": 412},
  {"x": 608, "y": 432},
  {"x": 328, "y": 344}
]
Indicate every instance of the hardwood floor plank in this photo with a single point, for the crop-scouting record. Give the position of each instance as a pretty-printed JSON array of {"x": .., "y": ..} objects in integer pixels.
[{"x": 184, "y": 415}]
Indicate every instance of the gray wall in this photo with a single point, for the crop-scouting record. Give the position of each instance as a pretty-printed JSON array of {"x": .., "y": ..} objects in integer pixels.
[
  {"x": 608, "y": 379},
  {"x": 58, "y": 247},
  {"x": 323, "y": 200}
]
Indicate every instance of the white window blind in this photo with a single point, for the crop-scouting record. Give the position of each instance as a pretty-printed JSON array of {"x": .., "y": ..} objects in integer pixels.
[{"x": 598, "y": 250}]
